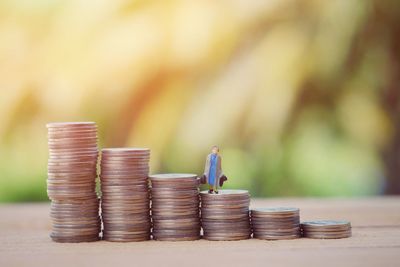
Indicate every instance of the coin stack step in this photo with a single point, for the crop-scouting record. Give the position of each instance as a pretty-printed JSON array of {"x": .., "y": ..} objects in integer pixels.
[
  {"x": 125, "y": 200},
  {"x": 175, "y": 207},
  {"x": 71, "y": 181},
  {"x": 326, "y": 229},
  {"x": 225, "y": 216},
  {"x": 275, "y": 223}
]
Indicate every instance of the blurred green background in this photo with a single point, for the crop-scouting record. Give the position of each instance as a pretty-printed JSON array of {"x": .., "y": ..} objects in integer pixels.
[{"x": 301, "y": 96}]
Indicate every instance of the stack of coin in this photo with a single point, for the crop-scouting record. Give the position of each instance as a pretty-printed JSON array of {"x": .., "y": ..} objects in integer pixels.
[
  {"x": 326, "y": 229},
  {"x": 71, "y": 182},
  {"x": 275, "y": 223},
  {"x": 125, "y": 200},
  {"x": 175, "y": 207},
  {"x": 225, "y": 216}
]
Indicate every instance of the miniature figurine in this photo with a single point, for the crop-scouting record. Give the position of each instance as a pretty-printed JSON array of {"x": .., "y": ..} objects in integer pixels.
[{"x": 213, "y": 175}]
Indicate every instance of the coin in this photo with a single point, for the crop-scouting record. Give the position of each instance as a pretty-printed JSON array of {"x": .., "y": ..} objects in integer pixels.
[
  {"x": 225, "y": 216},
  {"x": 326, "y": 229},
  {"x": 175, "y": 207},
  {"x": 71, "y": 181},
  {"x": 125, "y": 196},
  {"x": 275, "y": 223}
]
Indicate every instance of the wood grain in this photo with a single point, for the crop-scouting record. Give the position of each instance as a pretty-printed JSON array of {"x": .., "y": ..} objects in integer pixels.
[{"x": 25, "y": 228}]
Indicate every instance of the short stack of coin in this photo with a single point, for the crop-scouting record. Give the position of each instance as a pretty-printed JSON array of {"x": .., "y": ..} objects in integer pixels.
[
  {"x": 125, "y": 200},
  {"x": 225, "y": 216},
  {"x": 71, "y": 182},
  {"x": 275, "y": 223},
  {"x": 175, "y": 207},
  {"x": 326, "y": 229}
]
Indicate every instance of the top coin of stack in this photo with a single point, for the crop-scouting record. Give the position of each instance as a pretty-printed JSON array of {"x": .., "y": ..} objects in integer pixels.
[
  {"x": 175, "y": 206},
  {"x": 326, "y": 229},
  {"x": 125, "y": 197},
  {"x": 71, "y": 181},
  {"x": 225, "y": 216},
  {"x": 275, "y": 223}
]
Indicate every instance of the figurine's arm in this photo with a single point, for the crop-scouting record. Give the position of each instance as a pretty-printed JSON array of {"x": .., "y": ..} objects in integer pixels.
[
  {"x": 204, "y": 177},
  {"x": 220, "y": 166},
  {"x": 207, "y": 166},
  {"x": 222, "y": 178}
]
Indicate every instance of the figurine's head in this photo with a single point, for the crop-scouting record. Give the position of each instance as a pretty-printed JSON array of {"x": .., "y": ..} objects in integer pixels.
[{"x": 215, "y": 149}]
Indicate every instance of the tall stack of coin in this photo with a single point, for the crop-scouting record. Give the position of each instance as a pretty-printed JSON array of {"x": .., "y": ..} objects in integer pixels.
[
  {"x": 275, "y": 223},
  {"x": 225, "y": 216},
  {"x": 175, "y": 207},
  {"x": 71, "y": 182},
  {"x": 125, "y": 200},
  {"x": 326, "y": 229}
]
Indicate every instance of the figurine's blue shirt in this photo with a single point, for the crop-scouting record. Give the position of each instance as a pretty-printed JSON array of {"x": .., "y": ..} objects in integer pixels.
[{"x": 213, "y": 169}]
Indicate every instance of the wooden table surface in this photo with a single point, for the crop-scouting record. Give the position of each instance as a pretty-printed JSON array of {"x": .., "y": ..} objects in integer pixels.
[{"x": 24, "y": 240}]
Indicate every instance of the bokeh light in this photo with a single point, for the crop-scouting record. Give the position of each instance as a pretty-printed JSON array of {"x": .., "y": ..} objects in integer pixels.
[{"x": 302, "y": 96}]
